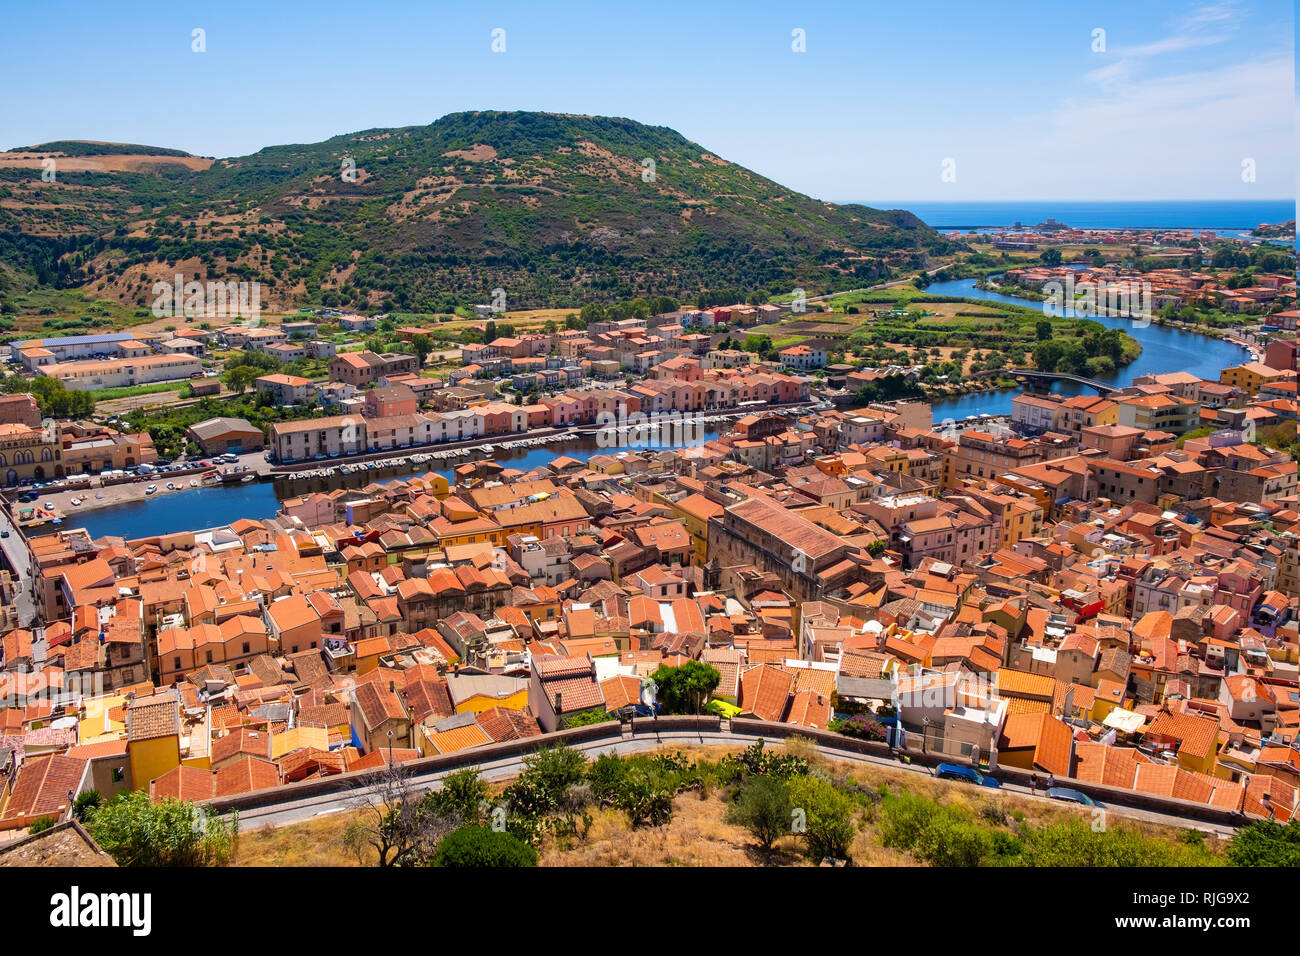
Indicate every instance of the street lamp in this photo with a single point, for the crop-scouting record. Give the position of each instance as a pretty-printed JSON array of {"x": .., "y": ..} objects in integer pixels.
[{"x": 390, "y": 750}]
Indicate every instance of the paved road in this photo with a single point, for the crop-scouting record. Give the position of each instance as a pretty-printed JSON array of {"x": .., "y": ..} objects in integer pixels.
[
  {"x": 18, "y": 560},
  {"x": 296, "y": 811}
]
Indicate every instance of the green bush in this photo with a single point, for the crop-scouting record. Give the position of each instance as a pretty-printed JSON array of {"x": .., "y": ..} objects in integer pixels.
[
  {"x": 136, "y": 832},
  {"x": 41, "y": 824},
  {"x": 476, "y": 846},
  {"x": 461, "y": 796},
  {"x": 758, "y": 762},
  {"x": 827, "y": 816},
  {"x": 762, "y": 808},
  {"x": 85, "y": 804},
  {"x": 547, "y": 774},
  {"x": 585, "y": 718},
  {"x": 1075, "y": 843},
  {"x": 646, "y": 796},
  {"x": 606, "y": 775},
  {"x": 1266, "y": 843}
]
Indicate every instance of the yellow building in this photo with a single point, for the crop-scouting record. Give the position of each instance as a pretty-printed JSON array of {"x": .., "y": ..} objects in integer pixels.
[
  {"x": 1251, "y": 376},
  {"x": 153, "y": 737},
  {"x": 1195, "y": 739},
  {"x": 694, "y": 511},
  {"x": 476, "y": 693}
]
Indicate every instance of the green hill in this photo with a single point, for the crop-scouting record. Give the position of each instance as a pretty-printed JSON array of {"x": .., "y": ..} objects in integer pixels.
[{"x": 554, "y": 209}]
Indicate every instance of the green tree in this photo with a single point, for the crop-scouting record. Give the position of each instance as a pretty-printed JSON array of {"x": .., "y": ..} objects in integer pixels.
[
  {"x": 137, "y": 832},
  {"x": 476, "y": 846},
  {"x": 1266, "y": 843},
  {"x": 1050, "y": 257},
  {"x": 684, "y": 689},
  {"x": 239, "y": 378},
  {"x": 1043, "y": 330},
  {"x": 421, "y": 345},
  {"x": 762, "y": 808}
]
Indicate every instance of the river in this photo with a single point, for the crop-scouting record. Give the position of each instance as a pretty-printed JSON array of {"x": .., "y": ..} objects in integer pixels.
[
  {"x": 214, "y": 507},
  {"x": 1164, "y": 349}
]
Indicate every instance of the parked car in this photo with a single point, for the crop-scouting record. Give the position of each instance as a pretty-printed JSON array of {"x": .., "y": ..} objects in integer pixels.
[
  {"x": 1072, "y": 796},
  {"x": 953, "y": 771}
]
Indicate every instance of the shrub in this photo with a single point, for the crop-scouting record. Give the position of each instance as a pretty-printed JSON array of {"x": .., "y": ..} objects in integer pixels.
[
  {"x": 461, "y": 796},
  {"x": 585, "y": 718},
  {"x": 136, "y": 832},
  {"x": 862, "y": 727},
  {"x": 1075, "y": 843},
  {"x": 476, "y": 846},
  {"x": 763, "y": 808},
  {"x": 85, "y": 804},
  {"x": 546, "y": 776},
  {"x": 1266, "y": 843},
  {"x": 40, "y": 824},
  {"x": 827, "y": 817},
  {"x": 646, "y": 797},
  {"x": 757, "y": 761},
  {"x": 606, "y": 776}
]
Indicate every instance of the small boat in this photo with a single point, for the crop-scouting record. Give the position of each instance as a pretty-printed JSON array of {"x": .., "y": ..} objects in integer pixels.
[
  {"x": 76, "y": 501},
  {"x": 246, "y": 479},
  {"x": 194, "y": 482},
  {"x": 151, "y": 489},
  {"x": 171, "y": 486}
]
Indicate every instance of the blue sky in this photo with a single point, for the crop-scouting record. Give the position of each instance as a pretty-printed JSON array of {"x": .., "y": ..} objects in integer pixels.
[{"x": 1013, "y": 93}]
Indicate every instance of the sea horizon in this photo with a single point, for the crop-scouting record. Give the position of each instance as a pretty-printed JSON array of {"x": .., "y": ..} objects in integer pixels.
[{"x": 1235, "y": 214}]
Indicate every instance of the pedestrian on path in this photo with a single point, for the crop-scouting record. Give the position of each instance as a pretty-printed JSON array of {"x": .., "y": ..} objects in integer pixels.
[{"x": 1033, "y": 783}]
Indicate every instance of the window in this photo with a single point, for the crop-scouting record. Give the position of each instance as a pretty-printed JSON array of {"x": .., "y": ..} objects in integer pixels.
[
  {"x": 178, "y": 663},
  {"x": 119, "y": 774},
  {"x": 247, "y": 647}
]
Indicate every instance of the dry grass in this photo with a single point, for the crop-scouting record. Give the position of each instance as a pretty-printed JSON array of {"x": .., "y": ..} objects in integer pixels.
[
  {"x": 698, "y": 834},
  {"x": 315, "y": 842}
]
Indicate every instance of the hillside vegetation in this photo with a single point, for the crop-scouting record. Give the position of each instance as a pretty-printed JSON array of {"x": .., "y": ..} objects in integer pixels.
[{"x": 555, "y": 209}]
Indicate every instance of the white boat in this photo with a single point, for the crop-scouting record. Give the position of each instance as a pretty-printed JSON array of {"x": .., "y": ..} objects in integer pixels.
[
  {"x": 488, "y": 449},
  {"x": 151, "y": 489},
  {"x": 246, "y": 479},
  {"x": 76, "y": 501},
  {"x": 194, "y": 482},
  {"x": 171, "y": 486}
]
